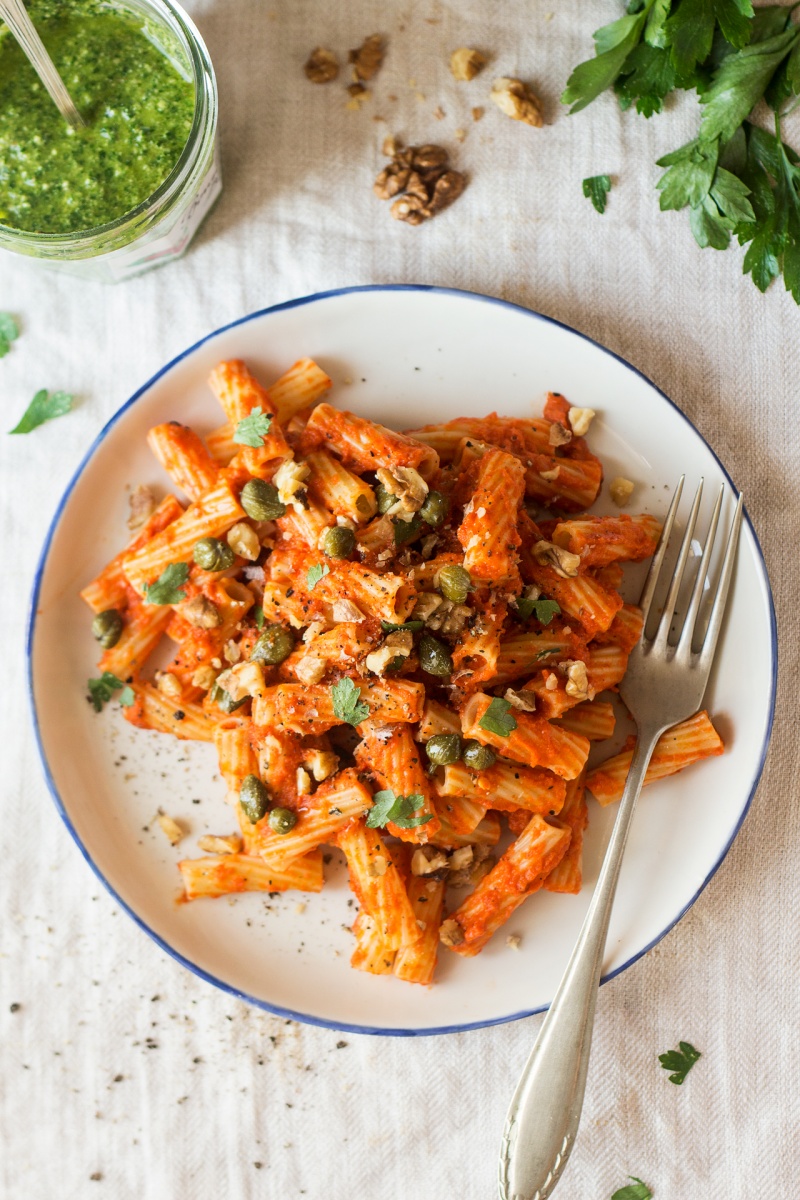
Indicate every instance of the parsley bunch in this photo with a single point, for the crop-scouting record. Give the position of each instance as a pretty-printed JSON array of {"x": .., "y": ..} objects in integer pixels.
[{"x": 736, "y": 179}]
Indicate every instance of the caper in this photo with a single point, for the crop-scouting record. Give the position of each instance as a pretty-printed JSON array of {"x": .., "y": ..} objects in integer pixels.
[
  {"x": 338, "y": 542},
  {"x": 282, "y": 820},
  {"x": 385, "y": 499},
  {"x": 225, "y": 701},
  {"x": 435, "y": 509},
  {"x": 476, "y": 756},
  {"x": 260, "y": 500},
  {"x": 254, "y": 798},
  {"x": 443, "y": 748},
  {"x": 213, "y": 555},
  {"x": 274, "y": 645},
  {"x": 107, "y": 628},
  {"x": 454, "y": 583},
  {"x": 406, "y": 531},
  {"x": 434, "y": 657}
]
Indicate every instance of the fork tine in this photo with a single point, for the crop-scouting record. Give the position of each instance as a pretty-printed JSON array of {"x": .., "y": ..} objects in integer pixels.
[
  {"x": 687, "y": 634},
  {"x": 662, "y": 634},
  {"x": 648, "y": 591},
  {"x": 726, "y": 574}
]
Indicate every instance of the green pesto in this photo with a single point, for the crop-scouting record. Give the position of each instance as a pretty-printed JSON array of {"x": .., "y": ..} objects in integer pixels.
[{"x": 137, "y": 107}]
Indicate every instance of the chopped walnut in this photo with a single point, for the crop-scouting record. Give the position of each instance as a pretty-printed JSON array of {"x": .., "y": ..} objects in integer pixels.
[
  {"x": 449, "y": 618},
  {"x": 524, "y": 700},
  {"x": 321, "y": 763},
  {"x": 204, "y": 677},
  {"x": 427, "y": 859},
  {"x": 358, "y": 96},
  {"x": 551, "y": 682},
  {"x": 378, "y": 866},
  {"x": 562, "y": 561},
  {"x": 346, "y": 610},
  {"x": 621, "y": 490},
  {"x": 246, "y": 679},
  {"x": 552, "y": 475},
  {"x": 310, "y": 669},
  {"x": 461, "y": 858},
  {"x": 423, "y": 174},
  {"x": 302, "y": 782},
  {"x": 368, "y": 57},
  {"x": 232, "y": 652},
  {"x": 169, "y": 685},
  {"x": 465, "y": 63},
  {"x": 397, "y": 644},
  {"x": 580, "y": 419},
  {"x": 312, "y": 632},
  {"x": 477, "y": 113},
  {"x": 142, "y": 503},
  {"x": 322, "y": 66},
  {"x": 408, "y": 486},
  {"x": 243, "y": 540},
  {"x": 447, "y": 188},
  {"x": 227, "y": 844},
  {"x": 559, "y": 435},
  {"x": 427, "y": 604},
  {"x": 391, "y": 146},
  {"x": 513, "y": 940},
  {"x": 451, "y": 933},
  {"x": 171, "y": 829},
  {"x": 517, "y": 100},
  {"x": 290, "y": 479},
  {"x": 200, "y": 612},
  {"x": 577, "y": 684}
]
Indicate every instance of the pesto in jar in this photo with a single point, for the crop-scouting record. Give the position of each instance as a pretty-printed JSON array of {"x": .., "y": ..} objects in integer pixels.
[{"x": 137, "y": 106}]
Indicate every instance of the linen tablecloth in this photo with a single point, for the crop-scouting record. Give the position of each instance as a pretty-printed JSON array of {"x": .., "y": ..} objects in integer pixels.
[{"x": 123, "y": 1075}]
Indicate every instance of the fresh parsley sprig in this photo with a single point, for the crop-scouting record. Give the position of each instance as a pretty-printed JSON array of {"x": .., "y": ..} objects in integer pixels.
[
  {"x": 44, "y": 406},
  {"x": 400, "y": 810},
  {"x": 680, "y": 1061},
  {"x": 168, "y": 588},
  {"x": 315, "y": 573},
  {"x": 498, "y": 718},
  {"x": 596, "y": 189},
  {"x": 543, "y": 608},
  {"x": 101, "y": 691},
  {"x": 638, "y": 1190},
  {"x": 347, "y": 703},
  {"x": 253, "y": 429},
  {"x": 736, "y": 180}
]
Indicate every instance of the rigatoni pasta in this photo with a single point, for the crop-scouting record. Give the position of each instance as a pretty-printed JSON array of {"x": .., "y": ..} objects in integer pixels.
[{"x": 392, "y": 650}]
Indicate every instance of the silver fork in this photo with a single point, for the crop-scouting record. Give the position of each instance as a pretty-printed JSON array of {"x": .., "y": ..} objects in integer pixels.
[
  {"x": 15, "y": 15},
  {"x": 664, "y": 684}
]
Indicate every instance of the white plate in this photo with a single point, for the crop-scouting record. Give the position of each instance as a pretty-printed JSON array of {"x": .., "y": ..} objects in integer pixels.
[{"x": 405, "y": 356}]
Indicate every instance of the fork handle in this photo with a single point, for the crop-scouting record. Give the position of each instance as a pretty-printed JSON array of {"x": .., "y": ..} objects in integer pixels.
[{"x": 543, "y": 1117}]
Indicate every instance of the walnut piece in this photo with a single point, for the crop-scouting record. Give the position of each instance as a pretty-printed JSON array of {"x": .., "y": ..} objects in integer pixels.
[
  {"x": 322, "y": 66},
  {"x": 169, "y": 685},
  {"x": 577, "y": 684},
  {"x": 290, "y": 479},
  {"x": 448, "y": 618},
  {"x": 302, "y": 782},
  {"x": 523, "y": 700},
  {"x": 465, "y": 63},
  {"x": 451, "y": 933},
  {"x": 200, "y": 612},
  {"x": 621, "y": 490},
  {"x": 562, "y": 561},
  {"x": 423, "y": 174},
  {"x": 559, "y": 435},
  {"x": 552, "y": 475},
  {"x": 246, "y": 679},
  {"x": 204, "y": 677},
  {"x": 397, "y": 644},
  {"x": 427, "y": 859},
  {"x": 243, "y": 540},
  {"x": 228, "y": 844},
  {"x": 346, "y": 610},
  {"x": 321, "y": 763},
  {"x": 580, "y": 419},
  {"x": 171, "y": 829},
  {"x": 368, "y": 58},
  {"x": 142, "y": 503},
  {"x": 517, "y": 100},
  {"x": 408, "y": 486}
]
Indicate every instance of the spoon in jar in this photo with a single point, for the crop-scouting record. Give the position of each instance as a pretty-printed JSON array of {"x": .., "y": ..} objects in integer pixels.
[{"x": 15, "y": 15}]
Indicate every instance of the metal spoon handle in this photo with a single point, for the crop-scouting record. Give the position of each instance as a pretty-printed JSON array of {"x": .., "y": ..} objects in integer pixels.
[
  {"x": 16, "y": 17},
  {"x": 545, "y": 1111}
]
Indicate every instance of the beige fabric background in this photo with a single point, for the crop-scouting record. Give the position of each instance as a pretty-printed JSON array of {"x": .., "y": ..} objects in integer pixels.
[{"x": 223, "y": 1100}]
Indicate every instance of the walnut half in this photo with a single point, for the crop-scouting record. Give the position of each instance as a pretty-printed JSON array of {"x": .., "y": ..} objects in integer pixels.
[
  {"x": 518, "y": 101},
  {"x": 322, "y": 66},
  {"x": 466, "y": 63}
]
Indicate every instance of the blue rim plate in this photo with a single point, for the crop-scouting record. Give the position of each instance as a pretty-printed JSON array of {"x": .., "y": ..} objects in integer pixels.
[{"x": 406, "y": 355}]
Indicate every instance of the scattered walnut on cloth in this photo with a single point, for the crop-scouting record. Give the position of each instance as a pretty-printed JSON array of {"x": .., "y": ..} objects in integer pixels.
[
  {"x": 321, "y": 66},
  {"x": 422, "y": 173},
  {"x": 367, "y": 58},
  {"x": 518, "y": 101}
]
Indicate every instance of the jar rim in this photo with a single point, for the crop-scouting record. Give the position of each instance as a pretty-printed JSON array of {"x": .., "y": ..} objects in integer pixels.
[{"x": 203, "y": 127}]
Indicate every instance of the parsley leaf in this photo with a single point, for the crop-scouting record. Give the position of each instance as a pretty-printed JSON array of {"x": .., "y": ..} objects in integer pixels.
[
  {"x": 252, "y": 429},
  {"x": 690, "y": 175},
  {"x": 613, "y": 44},
  {"x": 544, "y": 609},
  {"x": 740, "y": 82},
  {"x": 399, "y": 810},
  {"x": 497, "y": 718},
  {"x": 127, "y": 697},
  {"x": 347, "y": 704},
  {"x": 679, "y": 1061},
  {"x": 168, "y": 588},
  {"x": 647, "y": 77},
  {"x": 638, "y": 1190},
  {"x": 102, "y": 689},
  {"x": 43, "y": 407},
  {"x": 690, "y": 32},
  {"x": 315, "y": 573},
  {"x": 412, "y": 626},
  {"x": 596, "y": 189},
  {"x": 9, "y": 332}
]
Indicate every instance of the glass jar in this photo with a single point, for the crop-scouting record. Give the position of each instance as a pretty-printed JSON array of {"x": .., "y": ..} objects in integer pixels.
[{"x": 161, "y": 228}]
